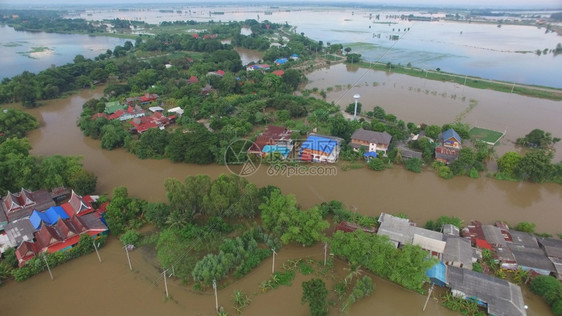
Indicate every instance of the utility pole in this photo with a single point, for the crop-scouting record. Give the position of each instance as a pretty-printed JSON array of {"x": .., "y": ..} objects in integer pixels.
[
  {"x": 325, "y": 252},
  {"x": 428, "y": 295},
  {"x": 273, "y": 263},
  {"x": 128, "y": 258},
  {"x": 96, "y": 248},
  {"x": 165, "y": 283},
  {"x": 48, "y": 268},
  {"x": 216, "y": 296}
]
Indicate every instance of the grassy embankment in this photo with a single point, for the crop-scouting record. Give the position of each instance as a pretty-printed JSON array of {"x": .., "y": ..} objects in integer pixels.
[{"x": 469, "y": 81}]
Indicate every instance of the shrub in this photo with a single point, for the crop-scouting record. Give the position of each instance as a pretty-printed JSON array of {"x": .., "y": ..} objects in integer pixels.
[
  {"x": 414, "y": 164},
  {"x": 445, "y": 172}
]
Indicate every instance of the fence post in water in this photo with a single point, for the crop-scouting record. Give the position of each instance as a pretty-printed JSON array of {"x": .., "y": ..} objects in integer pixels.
[
  {"x": 128, "y": 258},
  {"x": 48, "y": 268},
  {"x": 97, "y": 252}
]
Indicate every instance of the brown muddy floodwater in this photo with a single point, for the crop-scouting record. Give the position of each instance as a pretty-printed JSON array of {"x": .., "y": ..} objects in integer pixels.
[{"x": 110, "y": 288}]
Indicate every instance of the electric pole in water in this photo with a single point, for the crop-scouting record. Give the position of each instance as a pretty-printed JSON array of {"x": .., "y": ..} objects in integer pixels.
[
  {"x": 273, "y": 263},
  {"x": 128, "y": 258},
  {"x": 165, "y": 283},
  {"x": 96, "y": 248},
  {"x": 325, "y": 252},
  {"x": 48, "y": 268},
  {"x": 216, "y": 297}
]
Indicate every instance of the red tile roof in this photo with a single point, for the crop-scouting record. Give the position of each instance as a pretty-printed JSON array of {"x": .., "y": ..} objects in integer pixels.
[
  {"x": 278, "y": 73},
  {"x": 98, "y": 115},
  {"x": 220, "y": 72},
  {"x": 116, "y": 115},
  {"x": 481, "y": 243}
]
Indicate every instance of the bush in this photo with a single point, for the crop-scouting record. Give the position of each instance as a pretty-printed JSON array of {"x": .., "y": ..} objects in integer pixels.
[
  {"x": 547, "y": 287},
  {"x": 445, "y": 172},
  {"x": 377, "y": 164},
  {"x": 526, "y": 227},
  {"x": 414, "y": 164}
]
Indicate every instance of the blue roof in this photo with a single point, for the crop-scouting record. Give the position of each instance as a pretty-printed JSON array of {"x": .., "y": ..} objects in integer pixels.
[
  {"x": 281, "y": 61},
  {"x": 318, "y": 143},
  {"x": 294, "y": 55},
  {"x": 438, "y": 274},
  {"x": 370, "y": 154},
  {"x": 49, "y": 217},
  {"x": 451, "y": 133},
  {"x": 274, "y": 148}
]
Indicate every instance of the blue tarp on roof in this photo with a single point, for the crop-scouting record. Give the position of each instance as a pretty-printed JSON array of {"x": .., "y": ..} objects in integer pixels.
[
  {"x": 49, "y": 217},
  {"x": 451, "y": 133},
  {"x": 437, "y": 274},
  {"x": 281, "y": 61},
  {"x": 294, "y": 55},
  {"x": 284, "y": 151},
  {"x": 371, "y": 154},
  {"x": 318, "y": 143}
]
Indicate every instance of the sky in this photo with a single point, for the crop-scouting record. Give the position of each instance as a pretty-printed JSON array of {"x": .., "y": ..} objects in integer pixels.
[{"x": 539, "y": 4}]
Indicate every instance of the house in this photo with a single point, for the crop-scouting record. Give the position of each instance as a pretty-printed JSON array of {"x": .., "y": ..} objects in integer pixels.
[
  {"x": 179, "y": 111},
  {"x": 63, "y": 235},
  {"x": 437, "y": 274},
  {"x": 278, "y": 73},
  {"x": 450, "y": 230},
  {"x": 149, "y": 98},
  {"x": 273, "y": 139},
  {"x": 370, "y": 140},
  {"x": 219, "y": 73},
  {"x": 449, "y": 146},
  {"x": 131, "y": 113},
  {"x": 192, "y": 80},
  {"x": 458, "y": 253},
  {"x": 281, "y": 61},
  {"x": 318, "y": 148},
  {"x": 257, "y": 67},
  {"x": 155, "y": 109},
  {"x": 21, "y": 204},
  {"x": 499, "y": 297},
  {"x": 157, "y": 120},
  {"x": 401, "y": 231},
  {"x": 294, "y": 57},
  {"x": 112, "y": 107},
  {"x": 98, "y": 115},
  {"x": 533, "y": 259},
  {"x": 450, "y": 139}
]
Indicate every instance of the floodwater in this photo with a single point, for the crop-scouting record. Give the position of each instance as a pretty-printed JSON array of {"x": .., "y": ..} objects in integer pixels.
[
  {"x": 484, "y": 50},
  {"x": 433, "y": 102},
  {"x": 111, "y": 288},
  {"x": 249, "y": 55},
  {"x": 18, "y": 54}
]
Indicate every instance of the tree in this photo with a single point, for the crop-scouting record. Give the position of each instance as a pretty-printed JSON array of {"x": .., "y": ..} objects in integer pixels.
[
  {"x": 15, "y": 123},
  {"x": 432, "y": 131},
  {"x": 314, "y": 293},
  {"x": 307, "y": 229},
  {"x": 535, "y": 166},
  {"x": 538, "y": 138},
  {"x": 351, "y": 108},
  {"x": 353, "y": 58},
  {"x": 83, "y": 182},
  {"x": 276, "y": 212},
  {"x": 130, "y": 237},
  {"x": 376, "y": 164},
  {"x": 347, "y": 50},
  {"x": 547, "y": 287},
  {"x": 157, "y": 213},
  {"x": 445, "y": 172}
]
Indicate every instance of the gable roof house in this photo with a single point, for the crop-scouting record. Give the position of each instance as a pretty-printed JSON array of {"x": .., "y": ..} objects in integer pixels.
[
  {"x": 112, "y": 107},
  {"x": 449, "y": 146},
  {"x": 21, "y": 204},
  {"x": 500, "y": 297},
  {"x": 78, "y": 205},
  {"x": 370, "y": 140},
  {"x": 553, "y": 250},
  {"x": 401, "y": 231},
  {"x": 19, "y": 231},
  {"x": 273, "y": 139},
  {"x": 458, "y": 253},
  {"x": 25, "y": 252},
  {"x": 318, "y": 148}
]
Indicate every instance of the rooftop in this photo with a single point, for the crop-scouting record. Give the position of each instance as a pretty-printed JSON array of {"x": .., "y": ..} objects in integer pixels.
[
  {"x": 372, "y": 137},
  {"x": 503, "y": 298}
]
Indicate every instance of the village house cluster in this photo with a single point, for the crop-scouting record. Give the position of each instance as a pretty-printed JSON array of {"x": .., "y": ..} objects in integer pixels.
[
  {"x": 457, "y": 250},
  {"x": 33, "y": 223},
  {"x": 132, "y": 111}
]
